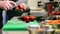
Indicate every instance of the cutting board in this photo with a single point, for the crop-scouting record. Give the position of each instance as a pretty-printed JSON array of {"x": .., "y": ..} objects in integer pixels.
[{"x": 18, "y": 25}]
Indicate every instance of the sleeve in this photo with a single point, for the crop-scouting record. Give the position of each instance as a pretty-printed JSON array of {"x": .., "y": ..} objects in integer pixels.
[{"x": 1, "y": 19}]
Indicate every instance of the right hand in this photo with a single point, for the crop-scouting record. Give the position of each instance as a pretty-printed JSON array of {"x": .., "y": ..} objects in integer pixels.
[{"x": 6, "y": 5}]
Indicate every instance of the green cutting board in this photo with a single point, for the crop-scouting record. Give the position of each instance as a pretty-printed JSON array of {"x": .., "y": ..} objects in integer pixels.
[{"x": 18, "y": 25}]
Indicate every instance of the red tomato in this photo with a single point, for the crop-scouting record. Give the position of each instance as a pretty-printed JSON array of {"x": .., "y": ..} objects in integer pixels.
[
  {"x": 21, "y": 6},
  {"x": 32, "y": 17},
  {"x": 23, "y": 18},
  {"x": 27, "y": 20},
  {"x": 26, "y": 17}
]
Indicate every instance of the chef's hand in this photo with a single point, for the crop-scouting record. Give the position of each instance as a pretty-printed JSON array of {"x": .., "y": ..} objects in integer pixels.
[
  {"x": 5, "y": 0},
  {"x": 6, "y": 5}
]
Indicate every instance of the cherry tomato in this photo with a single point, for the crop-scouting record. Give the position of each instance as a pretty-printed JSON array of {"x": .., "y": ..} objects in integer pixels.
[
  {"x": 27, "y": 20},
  {"x": 32, "y": 18},
  {"x": 21, "y": 6}
]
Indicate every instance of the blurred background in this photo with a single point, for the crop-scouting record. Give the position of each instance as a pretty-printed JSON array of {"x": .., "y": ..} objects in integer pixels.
[{"x": 37, "y": 17}]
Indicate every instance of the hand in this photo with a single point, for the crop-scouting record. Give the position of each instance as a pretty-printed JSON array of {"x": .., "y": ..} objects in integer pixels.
[
  {"x": 5, "y": 0},
  {"x": 6, "y": 5}
]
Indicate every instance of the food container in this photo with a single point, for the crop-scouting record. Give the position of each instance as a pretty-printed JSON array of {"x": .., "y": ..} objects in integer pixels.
[
  {"x": 33, "y": 29},
  {"x": 37, "y": 29},
  {"x": 48, "y": 29}
]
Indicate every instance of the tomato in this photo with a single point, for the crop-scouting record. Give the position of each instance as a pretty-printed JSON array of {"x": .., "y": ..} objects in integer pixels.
[
  {"x": 23, "y": 18},
  {"x": 27, "y": 20},
  {"x": 32, "y": 17},
  {"x": 21, "y": 6}
]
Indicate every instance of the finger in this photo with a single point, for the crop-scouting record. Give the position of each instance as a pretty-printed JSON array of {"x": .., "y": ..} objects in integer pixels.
[
  {"x": 9, "y": 5},
  {"x": 13, "y": 3},
  {"x": 6, "y": 5}
]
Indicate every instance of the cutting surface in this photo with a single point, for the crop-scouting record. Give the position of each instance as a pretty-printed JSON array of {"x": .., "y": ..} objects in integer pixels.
[{"x": 18, "y": 25}]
